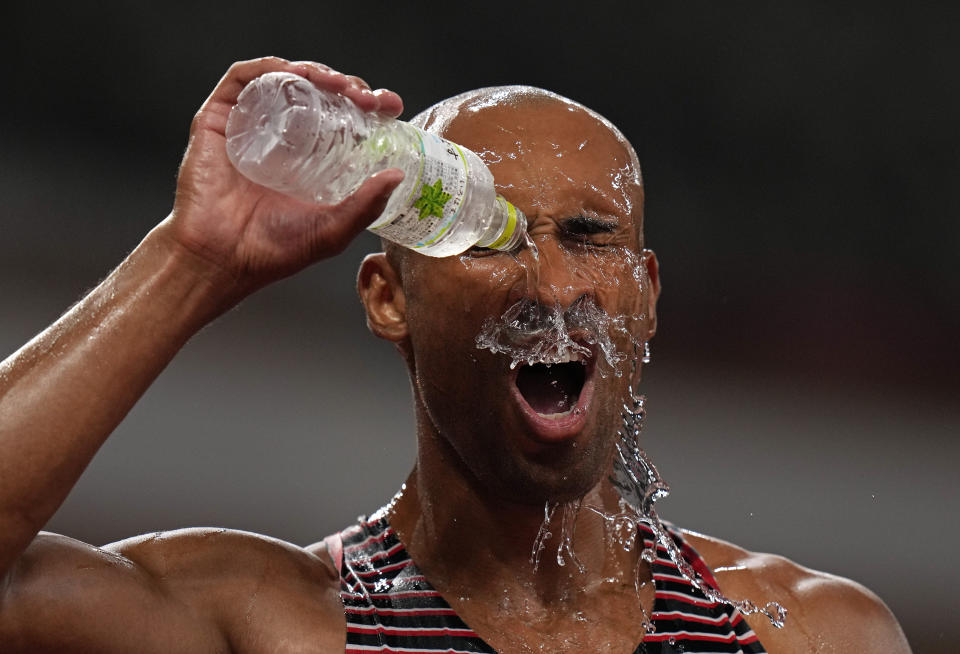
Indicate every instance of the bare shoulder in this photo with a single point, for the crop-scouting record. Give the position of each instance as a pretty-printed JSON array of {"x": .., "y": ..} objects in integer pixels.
[
  {"x": 825, "y": 613},
  {"x": 236, "y": 555},
  {"x": 212, "y": 590},
  {"x": 275, "y": 591}
]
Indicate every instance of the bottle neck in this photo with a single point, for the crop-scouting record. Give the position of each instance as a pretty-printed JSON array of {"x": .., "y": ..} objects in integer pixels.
[{"x": 507, "y": 228}]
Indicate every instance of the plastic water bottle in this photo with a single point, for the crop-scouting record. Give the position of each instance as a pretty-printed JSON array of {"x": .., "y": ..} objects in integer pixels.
[{"x": 317, "y": 146}]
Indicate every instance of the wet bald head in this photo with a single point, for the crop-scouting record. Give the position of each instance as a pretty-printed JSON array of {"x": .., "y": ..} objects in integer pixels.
[
  {"x": 439, "y": 118},
  {"x": 536, "y": 121}
]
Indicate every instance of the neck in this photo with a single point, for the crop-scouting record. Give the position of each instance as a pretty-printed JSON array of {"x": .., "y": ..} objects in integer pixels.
[{"x": 444, "y": 520}]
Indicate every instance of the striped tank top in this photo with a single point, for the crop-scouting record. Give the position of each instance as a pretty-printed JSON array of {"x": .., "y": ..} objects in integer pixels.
[{"x": 391, "y": 607}]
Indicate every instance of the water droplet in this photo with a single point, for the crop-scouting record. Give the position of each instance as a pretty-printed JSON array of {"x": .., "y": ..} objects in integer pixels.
[{"x": 532, "y": 246}]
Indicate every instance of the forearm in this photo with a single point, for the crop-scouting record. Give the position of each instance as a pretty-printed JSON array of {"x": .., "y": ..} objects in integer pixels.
[{"x": 63, "y": 393}]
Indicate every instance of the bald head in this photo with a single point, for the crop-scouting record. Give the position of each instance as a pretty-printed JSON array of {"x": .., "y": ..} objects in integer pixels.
[
  {"x": 550, "y": 141},
  {"x": 438, "y": 118}
]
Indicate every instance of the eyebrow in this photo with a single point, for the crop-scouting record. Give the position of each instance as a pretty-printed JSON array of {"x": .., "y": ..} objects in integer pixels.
[{"x": 581, "y": 224}]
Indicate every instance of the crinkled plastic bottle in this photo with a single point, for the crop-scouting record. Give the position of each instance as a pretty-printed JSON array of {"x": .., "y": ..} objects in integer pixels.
[{"x": 317, "y": 146}]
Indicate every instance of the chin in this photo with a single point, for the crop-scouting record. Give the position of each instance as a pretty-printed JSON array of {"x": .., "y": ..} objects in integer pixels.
[{"x": 559, "y": 478}]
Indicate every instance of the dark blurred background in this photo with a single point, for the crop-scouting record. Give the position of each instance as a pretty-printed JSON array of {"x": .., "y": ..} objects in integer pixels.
[{"x": 801, "y": 162}]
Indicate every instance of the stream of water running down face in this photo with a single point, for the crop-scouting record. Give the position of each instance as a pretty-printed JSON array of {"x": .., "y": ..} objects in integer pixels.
[
  {"x": 639, "y": 486},
  {"x": 533, "y": 334}
]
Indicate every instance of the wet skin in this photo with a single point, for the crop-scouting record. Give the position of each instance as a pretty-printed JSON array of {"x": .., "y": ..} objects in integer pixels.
[
  {"x": 470, "y": 511},
  {"x": 483, "y": 469},
  {"x": 583, "y": 200},
  {"x": 485, "y": 465}
]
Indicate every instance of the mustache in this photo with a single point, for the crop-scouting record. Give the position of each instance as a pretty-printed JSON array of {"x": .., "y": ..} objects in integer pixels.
[
  {"x": 528, "y": 318},
  {"x": 532, "y": 332}
]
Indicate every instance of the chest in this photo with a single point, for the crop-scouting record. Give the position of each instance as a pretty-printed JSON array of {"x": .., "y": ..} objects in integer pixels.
[
  {"x": 390, "y": 606},
  {"x": 608, "y": 622}
]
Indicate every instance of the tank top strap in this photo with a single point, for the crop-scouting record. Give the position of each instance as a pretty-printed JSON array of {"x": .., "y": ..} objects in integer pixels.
[
  {"x": 334, "y": 545},
  {"x": 684, "y": 618},
  {"x": 391, "y": 607}
]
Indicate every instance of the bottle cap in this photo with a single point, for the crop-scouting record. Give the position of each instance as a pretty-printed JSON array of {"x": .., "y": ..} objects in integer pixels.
[{"x": 514, "y": 226}]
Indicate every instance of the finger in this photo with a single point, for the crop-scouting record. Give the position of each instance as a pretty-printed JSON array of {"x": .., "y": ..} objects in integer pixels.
[
  {"x": 390, "y": 102},
  {"x": 337, "y": 227},
  {"x": 358, "y": 82},
  {"x": 351, "y": 86},
  {"x": 322, "y": 75},
  {"x": 361, "y": 95},
  {"x": 242, "y": 73},
  {"x": 214, "y": 111},
  {"x": 368, "y": 202}
]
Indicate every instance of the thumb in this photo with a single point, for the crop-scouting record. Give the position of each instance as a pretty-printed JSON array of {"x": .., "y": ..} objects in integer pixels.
[
  {"x": 367, "y": 203},
  {"x": 333, "y": 228}
]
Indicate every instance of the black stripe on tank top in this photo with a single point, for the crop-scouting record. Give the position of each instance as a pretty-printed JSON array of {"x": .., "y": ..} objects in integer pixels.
[{"x": 391, "y": 607}]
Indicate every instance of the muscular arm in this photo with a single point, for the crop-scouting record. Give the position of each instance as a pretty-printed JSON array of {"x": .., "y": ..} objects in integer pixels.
[
  {"x": 190, "y": 591},
  {"x": 63, "y": 393}
]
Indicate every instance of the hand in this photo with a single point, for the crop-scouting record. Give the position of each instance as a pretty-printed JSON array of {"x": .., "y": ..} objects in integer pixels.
[{"x": 253, "y": 234}]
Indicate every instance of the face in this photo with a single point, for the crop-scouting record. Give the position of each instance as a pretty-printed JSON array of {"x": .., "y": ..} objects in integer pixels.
[{"x": 535, "y": 432}]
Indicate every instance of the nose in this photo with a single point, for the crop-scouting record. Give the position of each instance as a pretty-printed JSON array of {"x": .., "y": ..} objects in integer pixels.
[{"x": 554, "y": 275}]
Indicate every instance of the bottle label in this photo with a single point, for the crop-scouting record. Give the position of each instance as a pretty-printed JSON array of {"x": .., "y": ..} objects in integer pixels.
[{"x": 437, "y": 196}]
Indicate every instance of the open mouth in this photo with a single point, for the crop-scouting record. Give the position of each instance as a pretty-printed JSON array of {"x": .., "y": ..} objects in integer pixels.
[
  {"x": 554, "y": 398},
  {"x": 552, "y": 390}
]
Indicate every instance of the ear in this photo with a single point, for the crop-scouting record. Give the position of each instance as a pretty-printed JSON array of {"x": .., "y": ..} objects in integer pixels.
[
  {"x": 653, "y": 290},
  {"x": 382, "y": 295}
]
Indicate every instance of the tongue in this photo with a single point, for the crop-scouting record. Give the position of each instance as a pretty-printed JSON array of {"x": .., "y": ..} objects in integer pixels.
[{"x": 550, "y": 389}]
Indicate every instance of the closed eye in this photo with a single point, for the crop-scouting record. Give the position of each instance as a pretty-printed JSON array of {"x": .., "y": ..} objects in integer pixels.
[
  {"x": 581, "y": 228},
  {"x": 478, "y": 251}
]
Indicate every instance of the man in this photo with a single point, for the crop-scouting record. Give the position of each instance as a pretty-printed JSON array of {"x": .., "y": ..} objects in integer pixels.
[{"x": 495, "y": 443}]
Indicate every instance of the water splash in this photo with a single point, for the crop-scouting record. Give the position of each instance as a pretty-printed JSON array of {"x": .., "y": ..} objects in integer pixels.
[
  {"x": 532, "y": 246},
  {"x": 640, "y": 486},
  {"x": 634, "y": 476},
  {"x": 530, "y": 268},
  {"x": 530, "y": 333},
  {"x": 568, "y": 525},
  {"x": 543, "y": 535}
]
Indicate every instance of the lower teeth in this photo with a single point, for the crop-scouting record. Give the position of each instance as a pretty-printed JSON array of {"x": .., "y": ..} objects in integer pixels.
[{"x": 562, "y": 414}]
